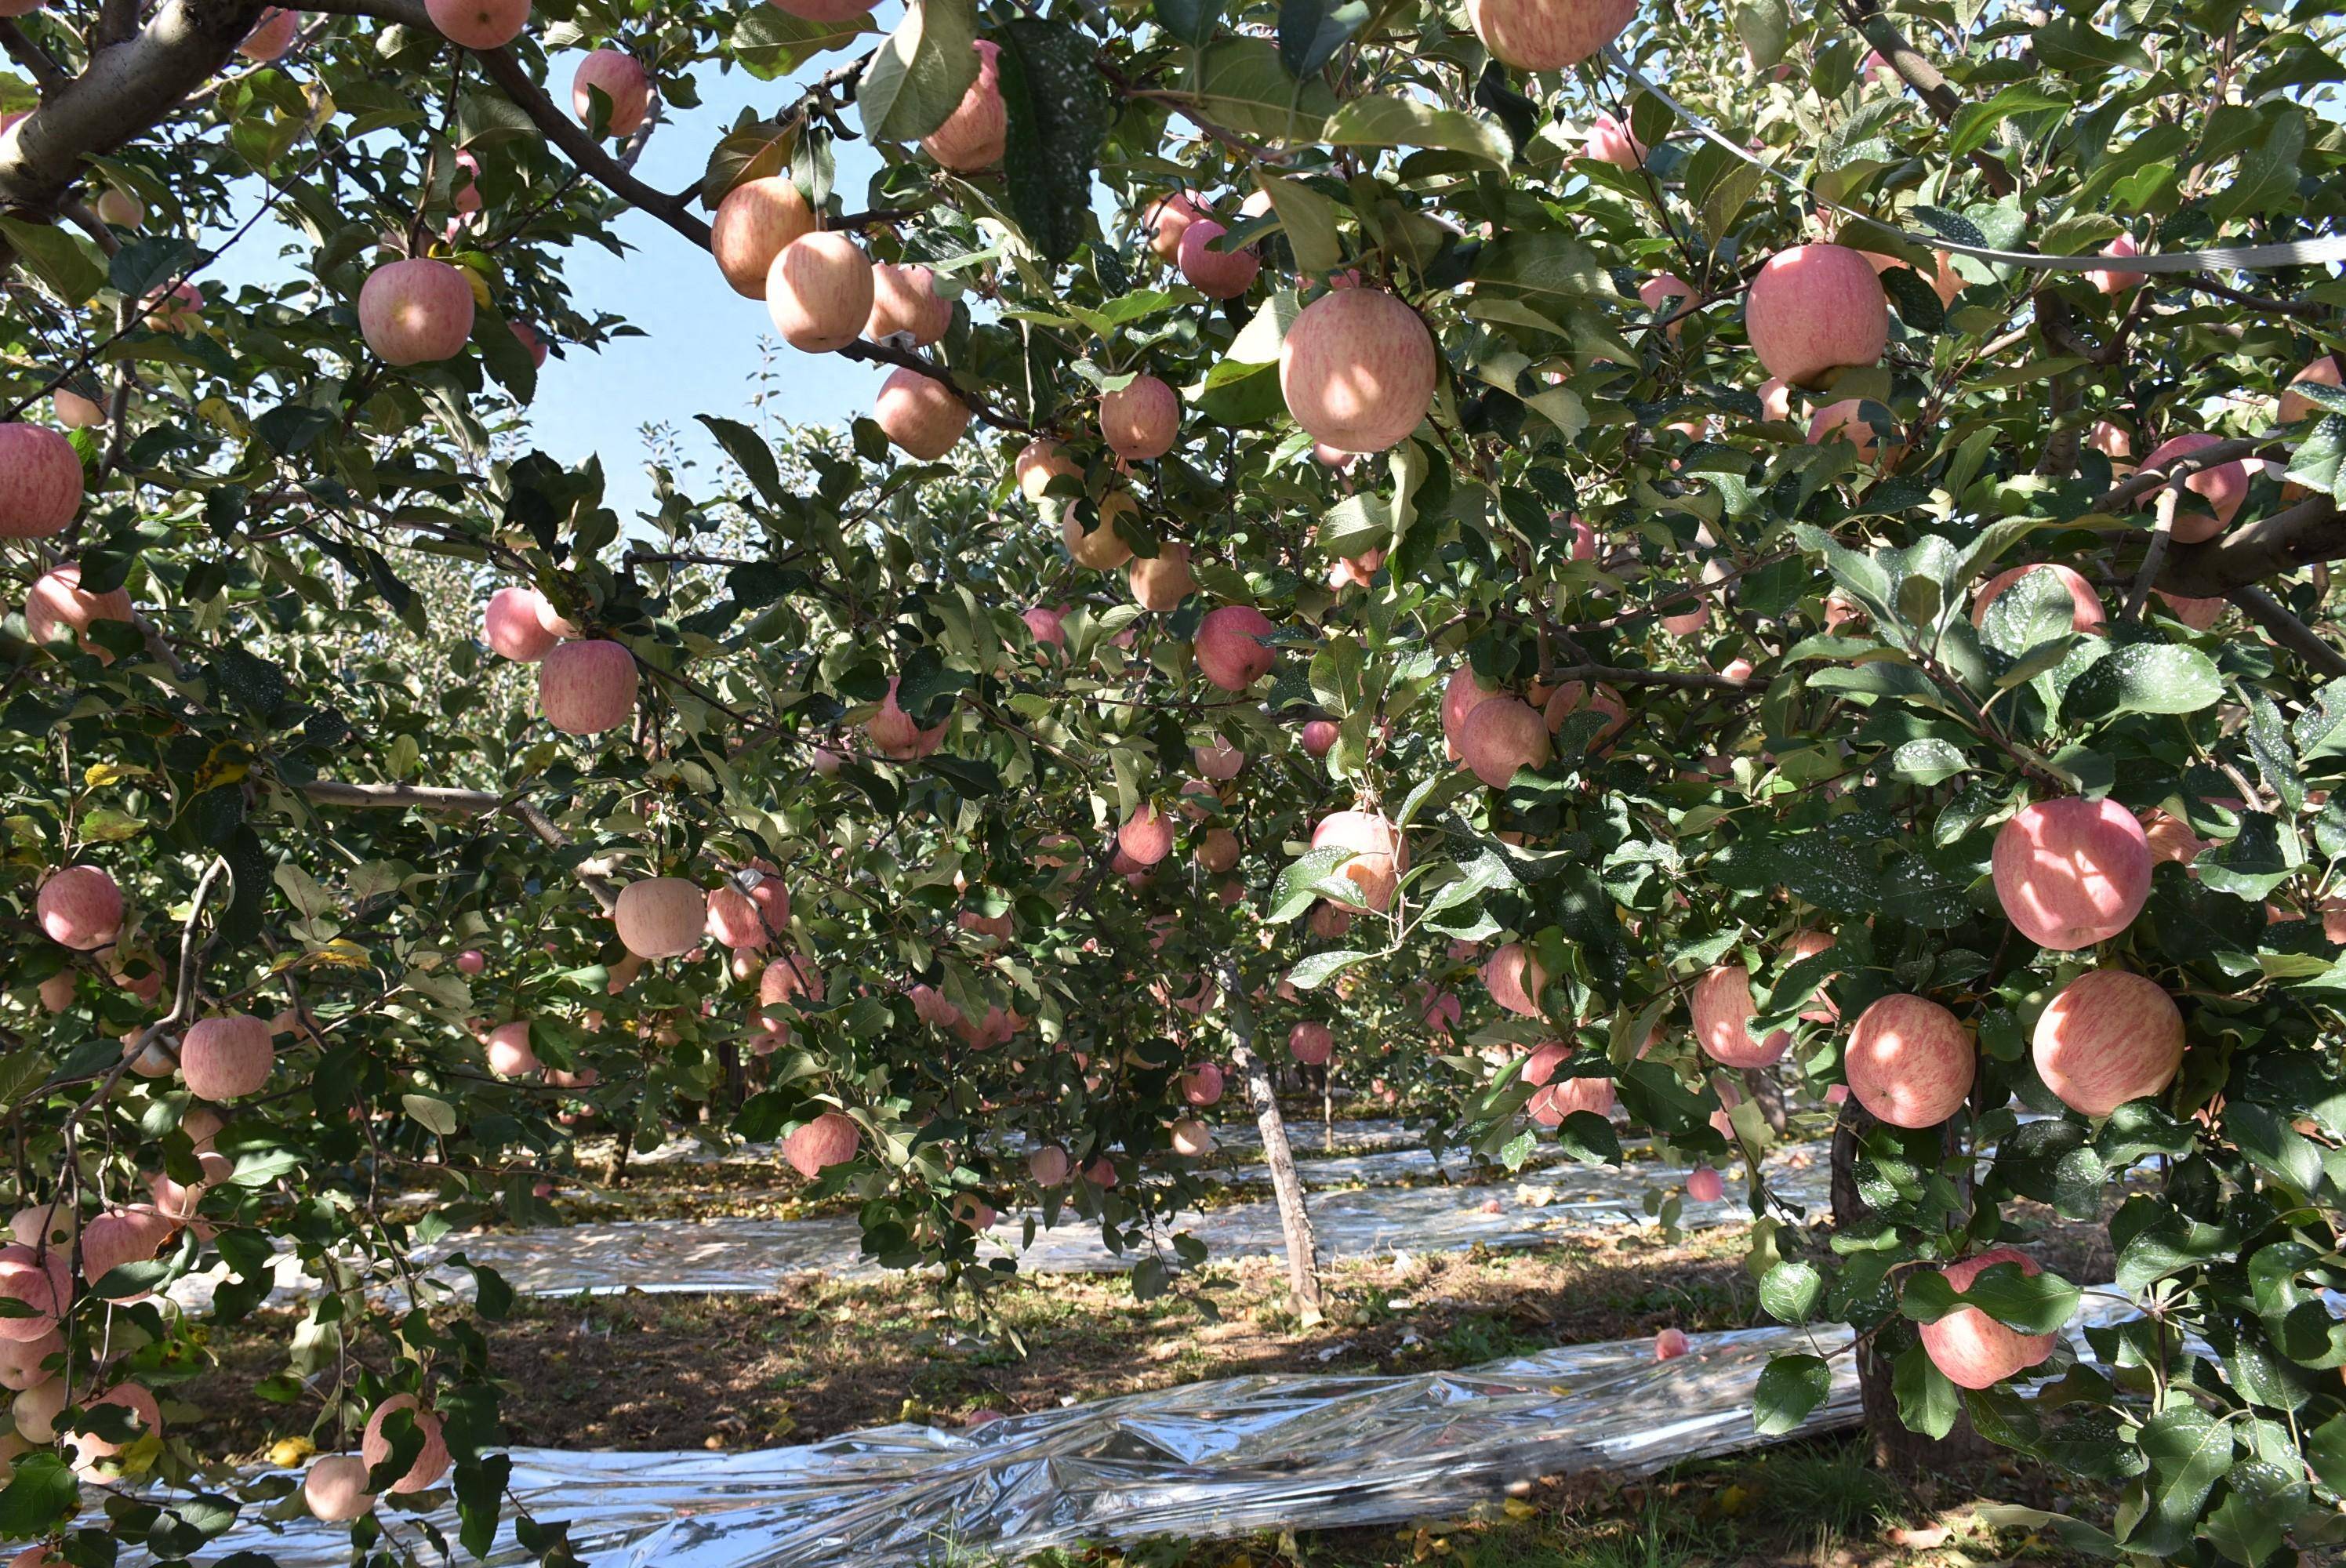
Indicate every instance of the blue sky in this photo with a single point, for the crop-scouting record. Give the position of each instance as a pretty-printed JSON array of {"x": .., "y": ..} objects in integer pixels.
[{"x": 702, "y": 341}]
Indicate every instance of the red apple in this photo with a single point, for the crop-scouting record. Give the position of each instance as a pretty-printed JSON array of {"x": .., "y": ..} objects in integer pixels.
[
  {"x": 58, "y": 603},
  {"x": 334, "y": 1486},
  {"x": 831, "y": 1139},
  {"x": 1722, "y": 1010},
  {"x": 1146, "y": 835},
  {"x": 1609, "y": 141},
  {"x": 2223, "y": 487},
  {"x": 1910, "y": 1061},
  {"x": 1667, "y": 295},
  {"x": 919, "y": 413},
  {"x": 1501, "y": 735},
  {"x": 905, "y": 299},
  {"x": 2071, "y": 872},
  {"x": 1358, "y": 370},
  {"x": 621, "y": 79},
  {"x": 974, "y": 133},
  {"x": 1815, "y": 309},
  {"x": 2089, "y": 617},
  {"x": 271, "y": 36},
  {"x": 1973, "y": 1349},
  {"x": 2112, "y": 279},
  {"x": 1168, "y": 218},
  {"x": 432, "y": 1461},
  {"x": 1515, "y": 979},
  {"x": 1311, "y": 1044},
  {"x": 1547, "y": 34},
  {"x": 478, "y": 23},
  {"x": 79, "y": 907},
  {"x": 587, "y": 687},
  {"x": 1140, "y": 419},
  {"x": 819, "y": 292},
  {"x": 660, "y": 917},
  {"x": 1160, "y": 582},
  {"x": 1229, "y": 653},
  {"x": 227, "y": 1058},
  {"x": 2110, "y": 1036},
  {"x": 756, "y": 221},
  {"x": 1214, "y": 273},
  {"x": 894, "y": 734},
  {"x": 2295, "y": 405},
  {"x": 40, "y": 482},
  {"x": 1379, "y": 854},
  {"x": 416, "y": 311},
  {"x": 514, "y": 624}
]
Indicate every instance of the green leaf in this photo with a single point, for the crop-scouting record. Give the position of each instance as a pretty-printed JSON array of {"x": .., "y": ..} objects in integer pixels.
[
  {"x": 1764, "y": 27},
  {"x": 771, "y": 43},
  {"x": 1242, "y": 85},
  {"x": 1192, "y": 21},
  {"x": 2319, "y": 461},
  {"x": 1928, "y": 1401},
  {"x": 1320, "y": 968},
  {"x": 2145, "y": 677},
  {"x": 41, "y": 1494},
  {"x": 1789, "y": 1291},
  {"x": 1308, "y": 219},
  {"x": 69, "y": 264},
  {"x": 918, "y": 76},
  {"x": 437, "y": 1115},
  {"x": 1975, "y": 124},
  {"x": 2189, "y": 1451},
  {"x": 1393, "y": 121},
  {"x": 749, "y": 453},
  {"x": 1057, "y": 110},
  {"x": 1790, "y": 1389},
  {"x": 1311, "y": 31}
]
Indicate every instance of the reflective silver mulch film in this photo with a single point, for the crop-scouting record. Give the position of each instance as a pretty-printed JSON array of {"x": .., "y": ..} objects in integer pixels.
[
  {"x": 1206, "y": 1460},
  {"x": 754, "y": 1255}
]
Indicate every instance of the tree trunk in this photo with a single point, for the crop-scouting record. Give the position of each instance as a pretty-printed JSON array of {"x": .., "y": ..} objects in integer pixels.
[
  {"x": 1768, "y": 1095},
  {"x": 1895, "y": 1448},
  {"x": 615, "y": 1169},
  {"x": 1294, "y": 1219},
  {"x": 728, "y": 1058}
]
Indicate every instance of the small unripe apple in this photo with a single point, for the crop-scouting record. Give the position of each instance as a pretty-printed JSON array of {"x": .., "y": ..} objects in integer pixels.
[
  {"x": 1547, "y": 34},
  {"x": 1815, "y": 309},
  {"x": 1160, "y": 582},
  {"x": 920, "y": 414},
  {"x": 1670, "y": 1344},
  {"x": 40, "y": 482},
  {"x": 416, "y": 311},
  {"x": 1140, "y": 419},
  {"x": 2071, "y": 872},
  {"x": 622, "y": 79},
  {"x": 1704, "y": 1185},
  {"x": 472, "y": 960},
  {"x": 1319, "y": 735},
  {"x": 513, "y": 624},
  {"x": 479, "y": 23},
  {"x": 1358, "y": 370},
  {"x": 588, "y": 687},
  {"x": 755, "y": 222},
  {"x": 974, "y": 133}
]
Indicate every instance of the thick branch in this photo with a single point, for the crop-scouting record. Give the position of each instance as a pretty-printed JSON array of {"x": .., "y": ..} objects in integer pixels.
[
  {"x": 457, "y": 802},
  {"x": 1928, "y": 82},
  {"x": 127, "y": 90},
  {"x": 872, "y": 353},
  {"x": 47, "y": 74},
  {"x": 2271, "y": 546},
  {"x": 2289, "y": 631}
]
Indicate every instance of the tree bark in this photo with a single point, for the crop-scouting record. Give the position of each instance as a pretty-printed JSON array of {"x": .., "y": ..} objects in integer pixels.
[
  {"x": 1768, "y": 1095},
  {"x": 1287, "y": 1187},
  {"x": 1895, "y": 1448}
]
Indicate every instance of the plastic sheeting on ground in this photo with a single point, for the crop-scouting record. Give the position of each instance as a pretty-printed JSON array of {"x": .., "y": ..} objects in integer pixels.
[
  {"x": 689, "y": 1257},
  {"x": 1205, "y": 1460}
]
